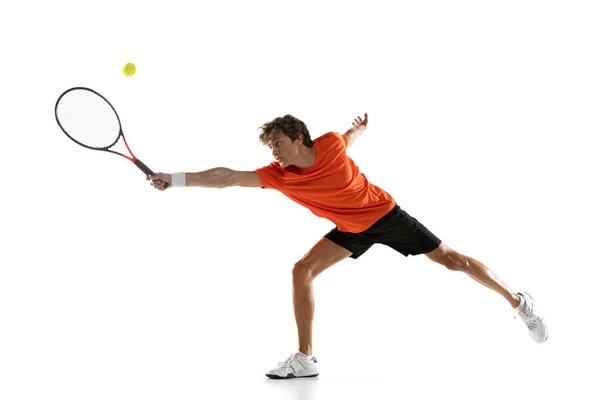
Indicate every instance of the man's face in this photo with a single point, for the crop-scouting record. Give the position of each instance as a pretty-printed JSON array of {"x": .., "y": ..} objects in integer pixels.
[{"x": 283, "y": 149}]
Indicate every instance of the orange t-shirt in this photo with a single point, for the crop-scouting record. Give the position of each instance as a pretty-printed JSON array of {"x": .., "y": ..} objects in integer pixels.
[{"x": 332, "y": 187}]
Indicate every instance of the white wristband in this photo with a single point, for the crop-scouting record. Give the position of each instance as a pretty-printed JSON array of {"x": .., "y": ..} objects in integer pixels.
[{"x": 178, "y": 179}]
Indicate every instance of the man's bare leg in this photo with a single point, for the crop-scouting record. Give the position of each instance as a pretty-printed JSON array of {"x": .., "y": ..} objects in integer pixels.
[
  {"x": 458, "y": 262},
  {"x": 323, "y": 255},
  {"x": 304, "y": 310}
]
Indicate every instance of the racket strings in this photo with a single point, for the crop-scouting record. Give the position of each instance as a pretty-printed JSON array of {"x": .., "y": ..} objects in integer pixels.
[{"x": 88, "y": 119}]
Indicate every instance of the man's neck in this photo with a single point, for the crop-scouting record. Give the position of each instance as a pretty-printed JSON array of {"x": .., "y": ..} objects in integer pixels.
[{"x": 306, "y": 157}]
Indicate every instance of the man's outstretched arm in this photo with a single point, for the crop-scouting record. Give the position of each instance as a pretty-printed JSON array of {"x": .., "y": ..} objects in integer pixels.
[
  {"x": 358, "y": 126},
  {"x": 212, "y": 178}
]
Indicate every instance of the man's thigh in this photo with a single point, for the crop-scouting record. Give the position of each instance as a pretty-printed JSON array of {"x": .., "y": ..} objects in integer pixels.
[{"x": 323, "y": 255}]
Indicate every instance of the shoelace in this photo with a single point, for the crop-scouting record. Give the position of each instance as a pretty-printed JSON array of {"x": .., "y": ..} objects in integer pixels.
[
  {"x": 528, "y": 317},
  {"x": 288, "y": 361},
  {"x": 532, "y": 323},
  {"x": 526, "y": 314}
]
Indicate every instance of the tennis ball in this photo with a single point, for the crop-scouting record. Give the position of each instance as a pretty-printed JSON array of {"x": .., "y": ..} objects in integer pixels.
[{"x": 129, "y": 69}]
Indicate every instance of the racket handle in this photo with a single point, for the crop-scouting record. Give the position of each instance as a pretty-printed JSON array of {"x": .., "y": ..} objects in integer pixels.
[{"x": 146, "y": 170}]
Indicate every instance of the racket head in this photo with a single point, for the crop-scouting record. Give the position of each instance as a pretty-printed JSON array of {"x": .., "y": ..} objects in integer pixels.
[{"x": 88, "y": 119}]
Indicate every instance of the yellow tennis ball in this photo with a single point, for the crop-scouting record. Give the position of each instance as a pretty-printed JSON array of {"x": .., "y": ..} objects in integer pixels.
[{"x": 129, "y": 69}]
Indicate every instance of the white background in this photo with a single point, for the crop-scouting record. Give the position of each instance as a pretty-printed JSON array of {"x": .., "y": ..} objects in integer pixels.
[{"x": 483, "y": 118}]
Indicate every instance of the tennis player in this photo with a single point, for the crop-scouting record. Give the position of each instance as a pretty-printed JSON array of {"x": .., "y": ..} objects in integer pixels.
[{"x": 320, "y": 176}]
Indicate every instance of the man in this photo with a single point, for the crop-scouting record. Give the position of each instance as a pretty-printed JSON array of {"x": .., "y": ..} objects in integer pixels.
[{"x": 320, "y": 176}]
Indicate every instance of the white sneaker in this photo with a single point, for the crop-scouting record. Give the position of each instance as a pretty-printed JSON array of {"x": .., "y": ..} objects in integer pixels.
[
  {"x": 536, "y": 325},
  {"x": 297, "y": 365}
]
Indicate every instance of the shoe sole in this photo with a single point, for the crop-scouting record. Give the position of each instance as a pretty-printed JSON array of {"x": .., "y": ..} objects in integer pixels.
[
  {"x": 546, "y": 338},
  {"x": 289, "y": 376}
]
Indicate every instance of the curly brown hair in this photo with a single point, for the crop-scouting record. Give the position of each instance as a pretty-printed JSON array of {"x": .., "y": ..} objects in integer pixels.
[{"x": 290, "y": 126}]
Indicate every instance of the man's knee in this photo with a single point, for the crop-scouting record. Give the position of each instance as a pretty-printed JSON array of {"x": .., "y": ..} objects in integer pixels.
[
  {"x": 455, "y": 261},
  {"x": 304, "y": 270},
  {"x": 321, "y": 256},
  {"x": 450, "y": 258}
]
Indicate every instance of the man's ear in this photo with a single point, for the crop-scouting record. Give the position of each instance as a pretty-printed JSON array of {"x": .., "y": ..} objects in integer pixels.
[{"x": 300, "y": 138}]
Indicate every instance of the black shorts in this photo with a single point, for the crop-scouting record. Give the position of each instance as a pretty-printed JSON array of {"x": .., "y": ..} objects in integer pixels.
[{"x": 397, "y": 229}]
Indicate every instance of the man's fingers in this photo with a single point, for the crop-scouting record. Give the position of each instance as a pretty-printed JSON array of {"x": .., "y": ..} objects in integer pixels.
[
  {"x": 157, "y": 176},
  {"x": 358, "y": 121}
]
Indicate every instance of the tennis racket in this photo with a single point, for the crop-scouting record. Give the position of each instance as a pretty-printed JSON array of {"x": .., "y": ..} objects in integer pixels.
[{"x": 88, "y": 119}]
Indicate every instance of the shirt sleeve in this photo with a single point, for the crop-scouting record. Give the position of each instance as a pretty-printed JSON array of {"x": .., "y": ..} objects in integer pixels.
[
  {"x": 270, "y": 176},
  {"x": 341, "y": 138}
]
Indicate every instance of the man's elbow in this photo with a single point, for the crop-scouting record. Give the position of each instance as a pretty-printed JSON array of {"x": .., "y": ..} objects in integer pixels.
[
  {"x": 350, "y": 139},
  {"x": 220, "y": 178}
]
